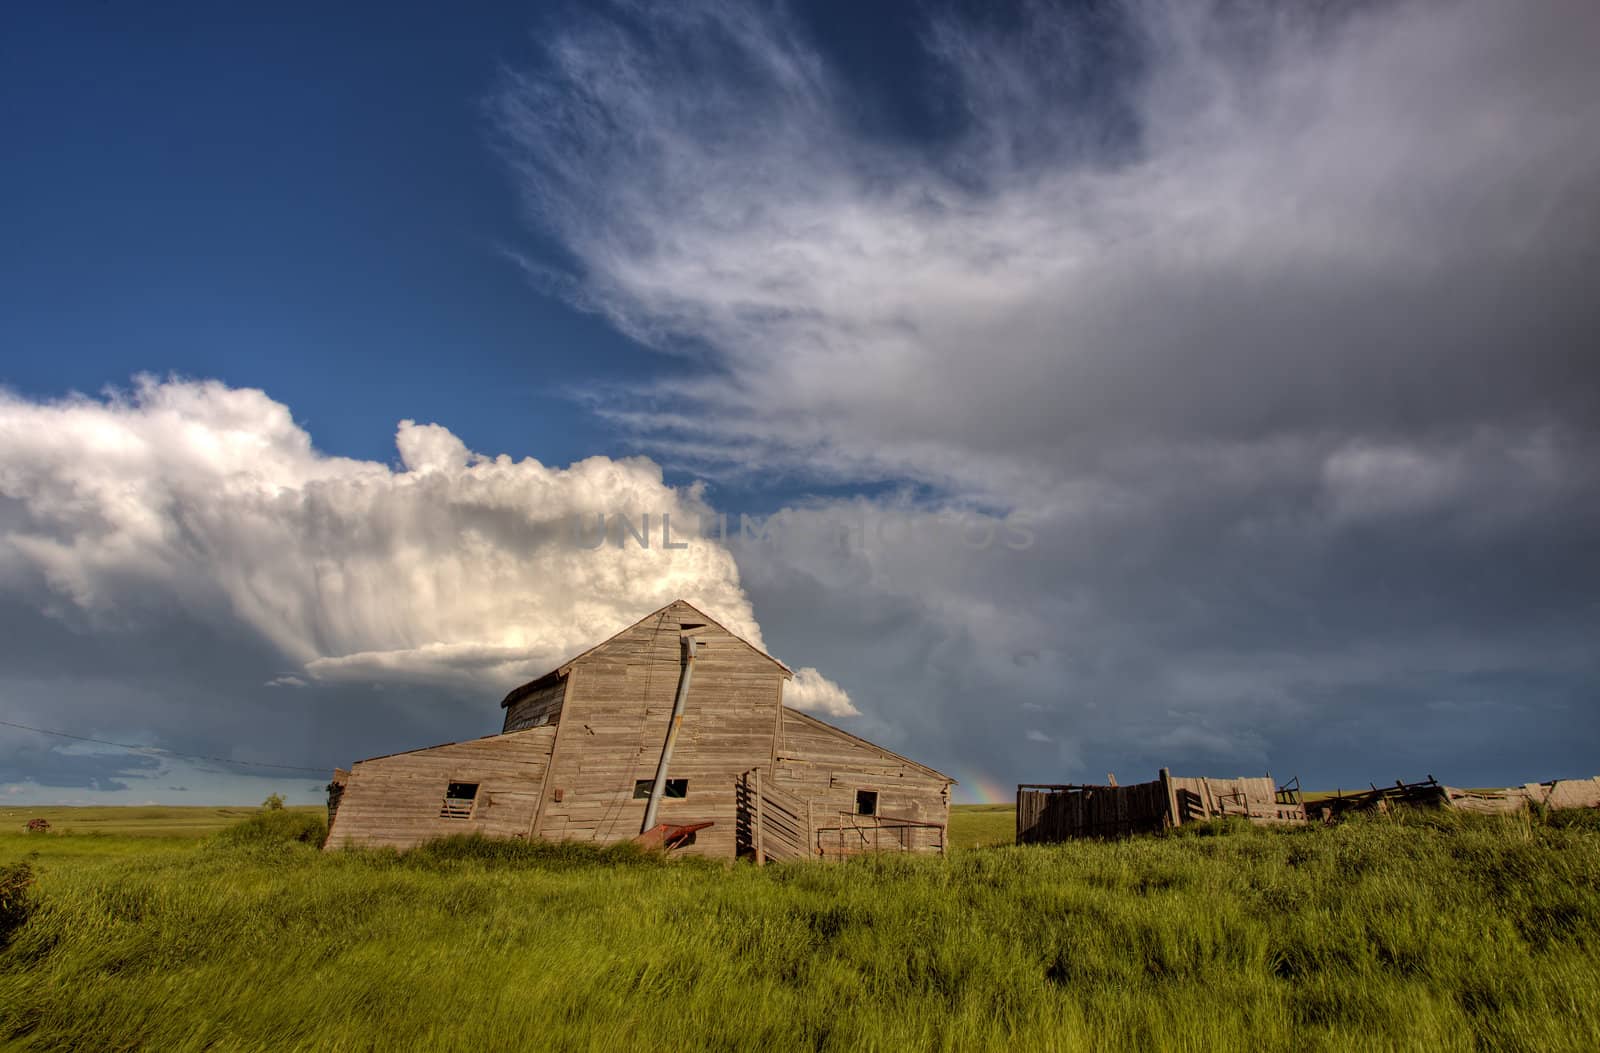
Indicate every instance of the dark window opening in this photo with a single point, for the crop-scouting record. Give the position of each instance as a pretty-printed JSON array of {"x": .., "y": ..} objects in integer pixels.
[
  {"x": 866, "y": 802},
  {"x": 674, "y": 788},
  {"x": 458, "y": 800}
]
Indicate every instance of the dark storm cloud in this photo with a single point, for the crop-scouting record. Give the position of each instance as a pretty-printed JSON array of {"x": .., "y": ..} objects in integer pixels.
[
  {"x": 1379, "y": 223},
  {"x": 1274, "y": 325},
  {"x": 50, "y": 765}
]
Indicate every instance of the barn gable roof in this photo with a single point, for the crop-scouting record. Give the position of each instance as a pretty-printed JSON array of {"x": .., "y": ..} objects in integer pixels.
[
  {"x": 561, "y": 670},
  {"x": 790, "y": 711}
]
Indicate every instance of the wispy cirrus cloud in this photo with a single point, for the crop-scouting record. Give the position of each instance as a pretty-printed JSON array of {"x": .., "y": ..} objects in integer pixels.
[{"x": 1174, "y": 222}]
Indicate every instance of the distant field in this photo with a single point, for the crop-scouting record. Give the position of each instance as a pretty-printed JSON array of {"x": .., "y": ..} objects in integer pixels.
[
  {"x": 971, "y": 825},
  {"x": 1440, "y": 932},
  {"x": 982, "y": 825},
  {"x": 141, "y": 821}
]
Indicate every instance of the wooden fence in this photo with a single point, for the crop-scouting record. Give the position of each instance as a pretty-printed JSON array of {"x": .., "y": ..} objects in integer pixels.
[
  {"x": 781, "y": 825},
  {"x": 1431, "y": 793},
  {"x": 1055, "y": 812},
  {"x": 849, "y": 834},
  {"x": 1048, "y": 813}
]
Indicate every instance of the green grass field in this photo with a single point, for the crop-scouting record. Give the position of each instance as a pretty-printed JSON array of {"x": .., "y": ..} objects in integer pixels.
[
  {"x": 982, "y": 825},
  {"x": 1418, "y": 932},
  {"x": 152, "y": 821}
]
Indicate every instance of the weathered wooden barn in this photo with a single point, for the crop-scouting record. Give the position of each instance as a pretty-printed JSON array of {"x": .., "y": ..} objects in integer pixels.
[{"x": 674, "y": 726}]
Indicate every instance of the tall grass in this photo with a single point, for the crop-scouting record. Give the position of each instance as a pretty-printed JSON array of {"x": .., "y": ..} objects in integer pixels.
[
  {"x": 276, "y": 826},
  {"x": 1378, "y": 934}
]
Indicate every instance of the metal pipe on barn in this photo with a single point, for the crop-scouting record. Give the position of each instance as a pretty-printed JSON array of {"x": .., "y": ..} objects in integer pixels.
[{"x": 685, "y": 674}]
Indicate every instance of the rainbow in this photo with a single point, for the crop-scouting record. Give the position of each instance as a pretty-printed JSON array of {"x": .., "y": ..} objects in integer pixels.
[{"x": 974, "y": 787}]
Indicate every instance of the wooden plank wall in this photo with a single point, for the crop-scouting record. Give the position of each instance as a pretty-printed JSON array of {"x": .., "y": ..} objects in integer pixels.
[
  {"x": 537, "y": 708},
  {"x": 614, "y": 722},
  {"x": 826, "y": 766},
  {"x": 394, "y": 801}
]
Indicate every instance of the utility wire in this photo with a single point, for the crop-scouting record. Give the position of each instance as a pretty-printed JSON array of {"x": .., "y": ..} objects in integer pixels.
[{"x": 158, "y": 749}]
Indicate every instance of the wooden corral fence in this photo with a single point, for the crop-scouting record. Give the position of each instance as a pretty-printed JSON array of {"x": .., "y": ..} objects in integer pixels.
[
  {"x": 1049, "y": 812},
  {"x": 1555, "y": 795},
  {"x": 1259, "y": 800},
  {"x": 780, "y": 822},
  {"x": 784, "y": 826},
  {"x": 850, "y": 834},
  {"x": 1429, "y": 793},
  {"x": 1056, "y": 812}
]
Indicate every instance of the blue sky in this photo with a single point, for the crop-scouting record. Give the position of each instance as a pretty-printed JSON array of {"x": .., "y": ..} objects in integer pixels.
[
  {"x": 311, "y": 202},
  {"x": 301, "y": 201},
  {"x": 1268, "y": 328}
]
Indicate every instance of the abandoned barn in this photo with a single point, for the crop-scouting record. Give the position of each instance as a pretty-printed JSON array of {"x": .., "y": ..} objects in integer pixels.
[{"x": 673, "y": 730}]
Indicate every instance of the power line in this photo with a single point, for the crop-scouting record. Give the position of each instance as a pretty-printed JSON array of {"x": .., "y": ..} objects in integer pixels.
[{"x": 158, "y": 749}]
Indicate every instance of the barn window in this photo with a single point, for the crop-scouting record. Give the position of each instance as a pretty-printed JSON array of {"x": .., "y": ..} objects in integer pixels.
[
  {"x": 866, "y": 802},
  {"x": 458, "y": 800},
  {"x": 524, "y": 723},
  {"x": 674, "y": 788}
]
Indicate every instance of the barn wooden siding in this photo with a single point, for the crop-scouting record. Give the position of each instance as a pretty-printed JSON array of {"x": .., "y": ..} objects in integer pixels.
[
  {"x": 784, "y": 826},
  {"x": 396, "y": 800},
  {"x": 1056, "y": 812},
  {"x": 827, "y": 766},
  {"x": 614, "y": 719}
]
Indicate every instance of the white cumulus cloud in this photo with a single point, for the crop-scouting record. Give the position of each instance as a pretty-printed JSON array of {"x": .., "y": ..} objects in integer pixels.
[
  {"x": 458, "y": 567},
  {"x": 811, "y": 691}
]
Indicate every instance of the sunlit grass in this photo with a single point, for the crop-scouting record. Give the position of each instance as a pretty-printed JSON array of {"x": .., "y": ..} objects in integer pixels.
[
  {"x": 133, "y": 821},
  {"x": 982, "y": 825},
  {"x": 1434, "y": 932}
]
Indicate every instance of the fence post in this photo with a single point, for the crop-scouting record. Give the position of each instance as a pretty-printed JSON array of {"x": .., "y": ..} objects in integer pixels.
[
  {"x": 1173, "y": 817},
  {"x": 761, "y": 845}
]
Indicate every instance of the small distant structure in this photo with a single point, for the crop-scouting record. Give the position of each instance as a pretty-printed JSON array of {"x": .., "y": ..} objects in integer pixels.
[
  {"x": 1050, "y": 812},
  {"x": 1555, "y": 795},
  {"x": 38, "y": 826},
  {"x": 672, "y": 733}
]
